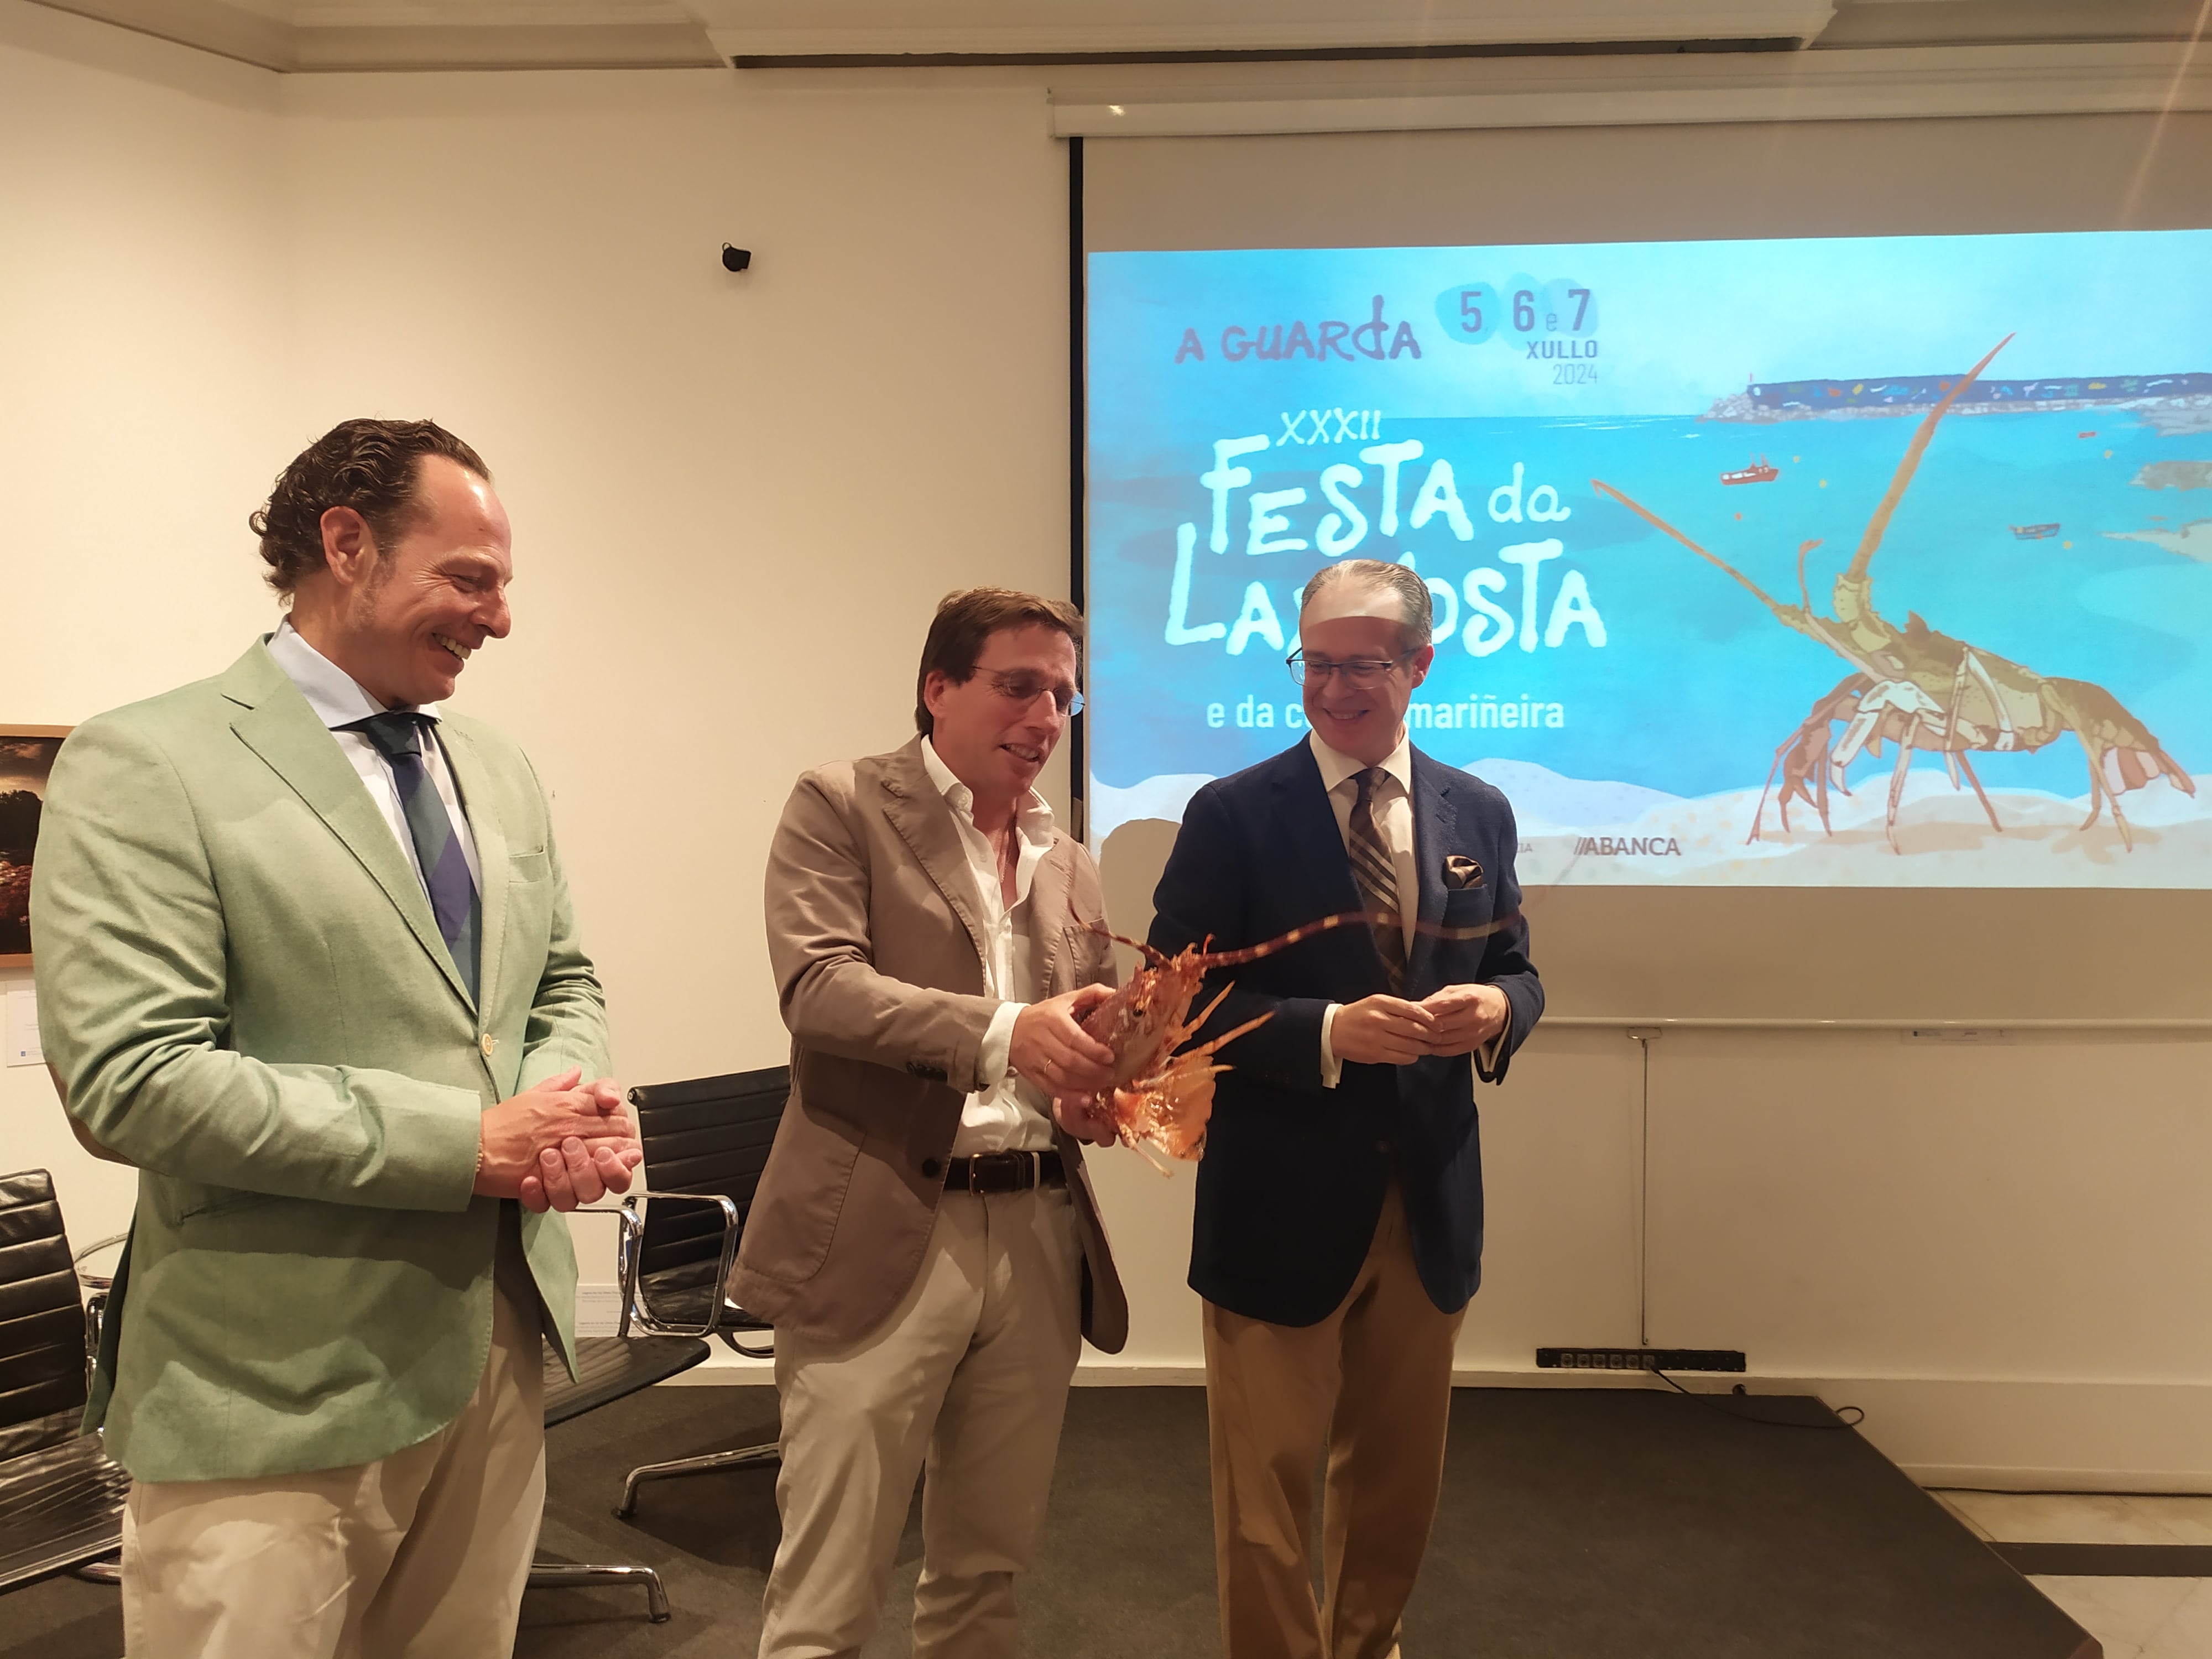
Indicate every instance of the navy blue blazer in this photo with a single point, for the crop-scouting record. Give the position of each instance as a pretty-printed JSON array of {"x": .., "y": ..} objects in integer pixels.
[{"x": 1293, "y": 1180}]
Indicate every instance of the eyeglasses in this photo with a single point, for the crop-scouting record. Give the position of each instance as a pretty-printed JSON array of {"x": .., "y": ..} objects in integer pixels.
[
  {"x": 1357, "y": 675},
  {"x": 1026, "y": 688}
]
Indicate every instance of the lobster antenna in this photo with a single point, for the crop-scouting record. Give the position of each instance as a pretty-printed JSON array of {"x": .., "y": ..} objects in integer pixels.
[
  {"x": 1152, "y": 958},
  {"x": 1880, "y": 523},
  {"x": 1804, "y": 592},
  {"x": 1652, "y": 519}
]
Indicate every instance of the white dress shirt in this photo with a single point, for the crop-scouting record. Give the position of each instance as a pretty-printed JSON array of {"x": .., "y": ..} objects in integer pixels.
[
  {"x": 1392, "y": 804},
  {"x": 1008, "y": 1113},
  {"x": 339, "y": 700}
]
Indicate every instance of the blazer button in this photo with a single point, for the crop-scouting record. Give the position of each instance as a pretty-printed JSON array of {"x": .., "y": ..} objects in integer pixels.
[{"x": 932, "y": 1170}]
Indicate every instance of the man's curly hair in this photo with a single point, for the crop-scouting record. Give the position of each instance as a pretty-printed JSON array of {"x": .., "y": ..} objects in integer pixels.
[{"x": 370, "y": 466}]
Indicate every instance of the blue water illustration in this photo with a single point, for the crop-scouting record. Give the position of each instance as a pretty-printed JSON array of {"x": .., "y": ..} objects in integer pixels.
[{"x": 2067, "y": 531}]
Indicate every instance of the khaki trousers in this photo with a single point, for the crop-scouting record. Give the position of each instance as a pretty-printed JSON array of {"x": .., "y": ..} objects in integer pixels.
[
  {"x": 420, "y": 1555},
  {"x": 1373, "y": 1380},
  {"x": 969, "y": 1372}
]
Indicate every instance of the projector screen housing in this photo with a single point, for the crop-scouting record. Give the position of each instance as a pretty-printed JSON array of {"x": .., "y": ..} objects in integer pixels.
[{"x": 1737, "y": 930}]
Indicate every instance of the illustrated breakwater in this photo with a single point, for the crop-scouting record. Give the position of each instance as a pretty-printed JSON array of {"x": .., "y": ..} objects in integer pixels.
[{"x": 2173, "y": 403}]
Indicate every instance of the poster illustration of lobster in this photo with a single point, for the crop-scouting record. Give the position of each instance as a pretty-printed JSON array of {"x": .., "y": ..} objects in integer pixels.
[{"x": 1871, "y": 560}]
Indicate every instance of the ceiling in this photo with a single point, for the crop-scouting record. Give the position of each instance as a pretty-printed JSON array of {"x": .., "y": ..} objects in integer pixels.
[{"x": 307, "y": 35}]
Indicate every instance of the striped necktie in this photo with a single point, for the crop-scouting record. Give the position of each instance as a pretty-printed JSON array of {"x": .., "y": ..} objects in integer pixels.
[
  {"x": 398, "y": 735},
  {"x": 1377, "y": 879}
]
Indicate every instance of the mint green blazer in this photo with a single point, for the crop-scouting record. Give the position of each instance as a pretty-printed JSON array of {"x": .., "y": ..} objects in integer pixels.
[{"x": 245, "y": 994}]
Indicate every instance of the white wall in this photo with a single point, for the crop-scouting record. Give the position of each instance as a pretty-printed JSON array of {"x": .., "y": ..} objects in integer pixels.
[
  {"x": 736, "y": 500},
  {"x": 144, "y": 305}
]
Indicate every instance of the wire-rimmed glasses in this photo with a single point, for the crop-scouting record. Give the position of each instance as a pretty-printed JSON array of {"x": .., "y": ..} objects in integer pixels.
[
  {"x": 1358, "y": 674},
  {"x": 1026, "y": 689}
]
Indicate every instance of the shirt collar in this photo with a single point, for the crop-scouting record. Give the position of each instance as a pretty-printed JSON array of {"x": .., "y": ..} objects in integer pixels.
[
  {"x": 1032, "y": 816},
  {"x": 335, "y": 696},
  {"x": 1336, "y": 766}
]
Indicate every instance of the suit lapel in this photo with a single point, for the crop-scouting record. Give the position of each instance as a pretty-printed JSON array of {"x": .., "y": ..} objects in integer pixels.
[
  {"x": 275, "y": 723},
  {"x": 923, "y": 822},
  {"x": 1436, "y": 822},
  {"x": 472, "y": 782},
  {"x": 1050, "y": 917}
]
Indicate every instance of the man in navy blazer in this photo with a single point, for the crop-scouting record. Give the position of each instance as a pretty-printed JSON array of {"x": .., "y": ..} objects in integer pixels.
[{"x": 1338, "y": 1229}]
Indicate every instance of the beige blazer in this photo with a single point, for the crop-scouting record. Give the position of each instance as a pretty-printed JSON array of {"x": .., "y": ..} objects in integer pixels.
[{"x": 879, "y": 959}]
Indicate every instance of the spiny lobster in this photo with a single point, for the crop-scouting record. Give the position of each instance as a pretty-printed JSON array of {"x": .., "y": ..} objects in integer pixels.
[
  {"x": 1163, "y": 1093},
  {"x": 1927, "y": 692}
]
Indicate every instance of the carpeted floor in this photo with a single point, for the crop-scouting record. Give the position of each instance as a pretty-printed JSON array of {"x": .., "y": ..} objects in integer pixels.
[{"x": 1576, "y": 1524}]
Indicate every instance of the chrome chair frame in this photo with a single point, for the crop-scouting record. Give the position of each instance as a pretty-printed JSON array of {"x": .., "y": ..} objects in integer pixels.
[
  {"x": 746, "y": 1091},
  {"x": 566, "y": 1575},
  {"x": 727, "y": 1318},
  {"x": 544, "y": 1574},
  {"x": 610, "y": 1368},
  {"x": 61, "y": 1498},
  {"x": 629, "y": 1248},
  {"x": 109, "y": 1569}
]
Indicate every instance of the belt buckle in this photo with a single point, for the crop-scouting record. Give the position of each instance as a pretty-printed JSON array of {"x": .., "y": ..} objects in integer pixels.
[{"x": 1001, "y": 1171}]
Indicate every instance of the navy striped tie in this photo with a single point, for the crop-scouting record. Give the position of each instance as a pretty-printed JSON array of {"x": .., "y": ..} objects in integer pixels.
[
  {"x": 398, "y": 735},
  {"x": 1377, "y": 878}
]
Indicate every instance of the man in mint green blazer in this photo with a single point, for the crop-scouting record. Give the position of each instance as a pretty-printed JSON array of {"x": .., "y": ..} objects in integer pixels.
[{"x": 305, "y": 957}]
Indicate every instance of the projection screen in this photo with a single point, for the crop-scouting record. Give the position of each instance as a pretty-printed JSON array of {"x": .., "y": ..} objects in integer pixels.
[{"x": 1858, "y": 557}]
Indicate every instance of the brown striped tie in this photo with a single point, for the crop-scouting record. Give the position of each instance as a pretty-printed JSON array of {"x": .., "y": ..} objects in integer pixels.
[{"x": 1377, "y": 878}]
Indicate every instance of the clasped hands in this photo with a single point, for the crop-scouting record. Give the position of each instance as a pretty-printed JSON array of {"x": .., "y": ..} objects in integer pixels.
[
  {"x": 1386, "y": 1030},
  {"x": 559, "y": 1144}
]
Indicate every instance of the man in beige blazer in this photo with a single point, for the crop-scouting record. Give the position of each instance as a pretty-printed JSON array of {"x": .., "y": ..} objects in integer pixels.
[
  {"x": 925, "y": 1239},
  {"x": 305, "y": 957}
]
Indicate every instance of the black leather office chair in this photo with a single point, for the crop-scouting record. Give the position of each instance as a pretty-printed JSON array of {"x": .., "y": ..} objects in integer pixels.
[
  {"x": 61, "y": 1500},
  {"x": 705, "y": 1143}
]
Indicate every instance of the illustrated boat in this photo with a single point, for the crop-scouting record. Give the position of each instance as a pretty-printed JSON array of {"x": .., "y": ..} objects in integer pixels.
[
  {"x": 2034, "y": 532},
  {"x": 1758, "y": 473}
]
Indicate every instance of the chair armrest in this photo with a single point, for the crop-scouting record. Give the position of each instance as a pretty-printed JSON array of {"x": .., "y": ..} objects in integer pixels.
[
  {"x": 93, "y": 1281},
  {"x": 95, "y": 1304},
  {"x": 630, "y": 1247}
]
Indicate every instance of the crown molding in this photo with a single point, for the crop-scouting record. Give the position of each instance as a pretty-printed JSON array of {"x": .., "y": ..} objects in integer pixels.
[
  {"x": 209, "y": 25},
  {"x": 1886, "y": 83},
  {"x": 793, "y": 29},
  {"x": 252, "y": 37},
  {"x": 505, "y": 47}
]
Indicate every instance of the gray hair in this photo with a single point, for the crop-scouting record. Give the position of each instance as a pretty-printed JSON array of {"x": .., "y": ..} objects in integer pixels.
[{"x": 1418, "y": 615}]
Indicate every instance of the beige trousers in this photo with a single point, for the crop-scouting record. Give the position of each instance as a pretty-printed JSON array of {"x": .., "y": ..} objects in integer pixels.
[
  {"x": 970, "y": 1372},
  {"x": 1373, "y": 1380},
  {"x": 420, "y": 1555}
]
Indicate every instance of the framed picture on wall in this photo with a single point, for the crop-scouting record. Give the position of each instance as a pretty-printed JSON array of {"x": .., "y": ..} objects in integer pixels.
[{"x": 27, "y": 756}]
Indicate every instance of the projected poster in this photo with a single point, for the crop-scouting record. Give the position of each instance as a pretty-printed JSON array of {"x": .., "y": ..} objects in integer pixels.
[{"x": 1876, "y": 561}]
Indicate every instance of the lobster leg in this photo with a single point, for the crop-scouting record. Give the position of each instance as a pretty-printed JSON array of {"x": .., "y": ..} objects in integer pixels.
[
  {"x": 1185, "y": 1032},
  {"x": 1226, "y": 1037},
  {"x": 1144, "y": 1149},
  {"x": 1896, "y": 777},
  {"x": 2102, "y": 794},
  {"x": 2122, "y": 755},
  {"x": 1955, "y": 750},
  {"x": 1808, "y": 752},
  {"x": 1966, "y": 766},
  {"x": 1759, "y": 815}
]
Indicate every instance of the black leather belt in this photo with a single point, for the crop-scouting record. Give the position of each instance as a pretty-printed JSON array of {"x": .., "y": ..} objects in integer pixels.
[{"x": 1004, "y": 1172}]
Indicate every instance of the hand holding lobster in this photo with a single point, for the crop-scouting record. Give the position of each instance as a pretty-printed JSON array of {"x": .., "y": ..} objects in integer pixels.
[{"x": 1050, "y": 1047}]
